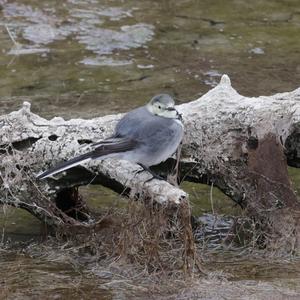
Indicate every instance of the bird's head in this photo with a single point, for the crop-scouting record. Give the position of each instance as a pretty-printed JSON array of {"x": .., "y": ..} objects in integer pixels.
[{"x": 163, "y": 105}]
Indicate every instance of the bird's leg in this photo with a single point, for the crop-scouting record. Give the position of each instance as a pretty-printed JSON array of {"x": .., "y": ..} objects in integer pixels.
[
  {"x": 173, "y": 178},
  {"x": 154, "y": 176}
]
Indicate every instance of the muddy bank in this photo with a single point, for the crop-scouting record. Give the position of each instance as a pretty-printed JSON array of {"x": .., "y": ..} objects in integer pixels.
[{"x": 57, "y": 273}]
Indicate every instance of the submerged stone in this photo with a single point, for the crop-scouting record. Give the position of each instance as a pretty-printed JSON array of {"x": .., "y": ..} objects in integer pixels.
[{"x": 105, "y": 61}]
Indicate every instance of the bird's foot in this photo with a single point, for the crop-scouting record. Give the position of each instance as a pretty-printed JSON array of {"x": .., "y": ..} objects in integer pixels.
[{"x": 154, "y": 175}]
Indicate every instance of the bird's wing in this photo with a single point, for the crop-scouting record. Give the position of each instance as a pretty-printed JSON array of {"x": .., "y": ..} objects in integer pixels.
[{"x": 112, "y": 145}]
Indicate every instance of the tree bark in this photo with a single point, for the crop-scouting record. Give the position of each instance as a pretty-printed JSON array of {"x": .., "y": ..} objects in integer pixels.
[{"x": 242, "y": 145}]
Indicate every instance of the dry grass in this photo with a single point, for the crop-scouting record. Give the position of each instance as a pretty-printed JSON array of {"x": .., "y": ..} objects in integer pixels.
[
  {"x": 144, "y": 236},
  {"x": 146, "y": 250}
]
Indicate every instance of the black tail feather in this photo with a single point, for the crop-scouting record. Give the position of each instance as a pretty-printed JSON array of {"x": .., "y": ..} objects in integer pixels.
[
  {"x": 64, "y": 165},
  {"x": 102, "y": 149}
]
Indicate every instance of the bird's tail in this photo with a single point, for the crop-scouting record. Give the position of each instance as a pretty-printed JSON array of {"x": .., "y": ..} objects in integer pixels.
[
  {"x": 65, "y": 165},
  {"x": 108, "y": 148}
]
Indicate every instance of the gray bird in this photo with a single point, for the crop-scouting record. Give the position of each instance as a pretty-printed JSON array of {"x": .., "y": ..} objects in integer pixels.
[{"x": 147, "y": 135}]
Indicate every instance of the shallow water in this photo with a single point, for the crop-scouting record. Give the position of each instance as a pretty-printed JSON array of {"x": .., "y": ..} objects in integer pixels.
[
  {"x": 96, "y": 57},
  {"x": 91, "y": 58},
  {"x": 23, "y": 277}
]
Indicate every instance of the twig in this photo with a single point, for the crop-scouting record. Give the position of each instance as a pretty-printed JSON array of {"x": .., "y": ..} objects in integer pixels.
[
  {"x": 11, "y": 36},
  {"x": 211, "y": 197}
]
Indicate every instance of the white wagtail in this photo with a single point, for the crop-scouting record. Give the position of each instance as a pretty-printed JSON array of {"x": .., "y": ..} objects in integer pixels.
[{"x": 147, "y": 135}]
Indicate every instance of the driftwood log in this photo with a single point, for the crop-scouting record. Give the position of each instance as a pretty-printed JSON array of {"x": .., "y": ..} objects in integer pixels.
[{"x": 241, "y": 145}]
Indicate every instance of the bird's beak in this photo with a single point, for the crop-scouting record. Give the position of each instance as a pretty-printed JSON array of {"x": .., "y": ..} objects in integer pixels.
[
  {"x": 170, "y": 108},
  {"x": 178, "y": 115}
]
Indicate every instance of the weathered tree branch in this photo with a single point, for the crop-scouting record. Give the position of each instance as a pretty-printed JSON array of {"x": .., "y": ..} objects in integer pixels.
[
  {"x": 240, "y": 144},
  {"x": 30, "y": 143}
]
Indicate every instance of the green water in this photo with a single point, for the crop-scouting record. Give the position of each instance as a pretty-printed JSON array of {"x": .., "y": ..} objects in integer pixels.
[
  {"x": 186, "y": 47},
  {"x": 91, "y": 58}
]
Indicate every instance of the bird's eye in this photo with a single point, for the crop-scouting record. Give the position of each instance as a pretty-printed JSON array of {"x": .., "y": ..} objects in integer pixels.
[{"x": 159, "y": 106}]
